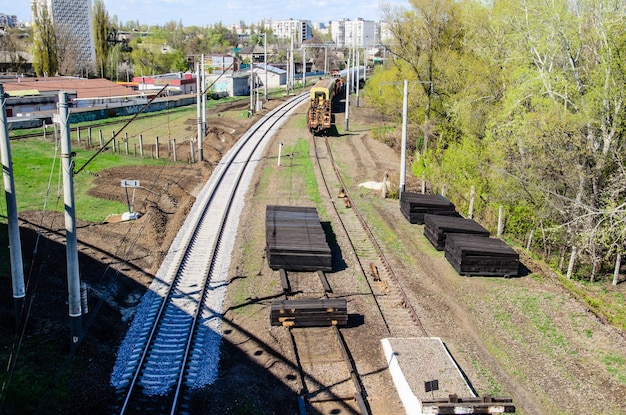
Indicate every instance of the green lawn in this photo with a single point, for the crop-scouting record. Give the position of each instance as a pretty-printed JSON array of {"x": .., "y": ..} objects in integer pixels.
[{"x": 38, "y": 178}]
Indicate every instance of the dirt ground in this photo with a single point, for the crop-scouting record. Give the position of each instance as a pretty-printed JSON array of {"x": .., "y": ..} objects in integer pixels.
[{"x": 525, "y": 337}]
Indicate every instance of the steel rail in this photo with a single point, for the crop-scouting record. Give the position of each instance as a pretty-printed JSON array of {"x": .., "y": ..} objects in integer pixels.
[
  {"x": 174, "y": 275},
  {"x": 377, "y": 246}
]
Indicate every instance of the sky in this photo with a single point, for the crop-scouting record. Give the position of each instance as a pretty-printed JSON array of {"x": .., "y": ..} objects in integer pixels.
[{"x": 208, "y": 12}]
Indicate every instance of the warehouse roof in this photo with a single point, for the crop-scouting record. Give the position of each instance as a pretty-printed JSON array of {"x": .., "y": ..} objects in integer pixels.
[{"x": 85, "y": 88}]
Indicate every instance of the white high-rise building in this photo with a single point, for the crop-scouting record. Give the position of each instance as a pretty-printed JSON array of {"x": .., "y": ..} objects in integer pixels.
[
  {"x": 355, "y": 33},
  {"x": 72, "y": 20},
  {"x": 301, "y": 30}
]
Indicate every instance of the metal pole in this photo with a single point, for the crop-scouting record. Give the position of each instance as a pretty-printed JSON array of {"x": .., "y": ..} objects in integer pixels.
[
  {"x": 73, "y": 276},
  {"x": 347, "y": 109},
  {"x": 199, "y": 112},
  {"x": 15, "y": 247},
  {"x": 405, "y": 111},
  {"x": 265, "y": 61}
]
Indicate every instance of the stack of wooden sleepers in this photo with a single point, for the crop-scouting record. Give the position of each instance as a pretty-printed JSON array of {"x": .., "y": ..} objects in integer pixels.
[
  {"x": 415, "y": 205},
  {"x": 478, "y": 255},
  {"x": 295, "y": 239},
  {"x": 436, "y": 227},
  {"x": 309, "y": 312}
]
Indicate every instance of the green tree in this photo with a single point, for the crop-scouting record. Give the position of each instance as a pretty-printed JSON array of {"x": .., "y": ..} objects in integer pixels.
[
  {"x": 102, "y": 31},
  {"x": 45, "y": 60},
  {"x": 527, "y": 106},
  {"x": 426, "y": 37}
]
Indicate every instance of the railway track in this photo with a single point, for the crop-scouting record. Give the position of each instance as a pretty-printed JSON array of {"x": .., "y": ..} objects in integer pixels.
[
  {"x": 173, "y": 344},
  {"x": 329, "y": 376},
  {"x": 393, "y": 305}
]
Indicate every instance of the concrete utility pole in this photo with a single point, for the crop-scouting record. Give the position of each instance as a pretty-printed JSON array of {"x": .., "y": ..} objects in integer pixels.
[
  {"x": 303, "y": 66},
  {"x": 405, "y": 116},
  {"x": 358, "y": 76},
  {"x": 15, "y": 246},
  {"x": 405, "y": 111},
  {"x": 203, "y": 83},
  {"x": 265, "y": 62},
  {"x": 347, "y": 109},
  {"x": 292, "y": 65},
  {"x": 199, "y": 112},
  {"x": 73, "y": 276}
]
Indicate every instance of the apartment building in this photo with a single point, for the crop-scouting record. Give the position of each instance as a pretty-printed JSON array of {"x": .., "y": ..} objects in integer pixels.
[
  {"x": 73, "y": 20},
  {"x": 301, "y": 30},
  {"x": 355, "y": 33}
]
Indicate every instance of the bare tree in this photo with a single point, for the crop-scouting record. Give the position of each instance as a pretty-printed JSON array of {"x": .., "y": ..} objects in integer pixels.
[
  {"x": 11, "y": 45},
  {"x": 67, "y": 53}
]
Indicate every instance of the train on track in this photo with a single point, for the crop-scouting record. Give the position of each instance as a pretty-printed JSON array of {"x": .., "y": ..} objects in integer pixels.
[
  {"x": 319, "y": 116},
  {"x": 322, "y": 94}
]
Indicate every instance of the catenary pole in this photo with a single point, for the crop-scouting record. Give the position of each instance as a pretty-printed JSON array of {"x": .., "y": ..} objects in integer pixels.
[
  {"x": 203, "y": 90},
  {"x": 15, "y": 246},
  {"x": 347, "y": 109},
  {"x": 358, "y": 75},
  {"x": 73, "y": 276},
  {"x": 199, "y": 111},
  {"x": 303, "y": 64},
  {"x": 405, "y": 110},
  {"x": 265, "y": 62}
]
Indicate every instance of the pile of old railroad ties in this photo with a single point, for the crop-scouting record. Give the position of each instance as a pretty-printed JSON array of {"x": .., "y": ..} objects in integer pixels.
[
  {"x": 296, "y": 241},
  {"x": 467, "y": 245},
  {"x": 471, "y": 251}
]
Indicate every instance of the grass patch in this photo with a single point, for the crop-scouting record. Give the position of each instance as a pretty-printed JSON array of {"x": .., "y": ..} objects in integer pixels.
[
  {"x": 299, "y": 171},
  {"x": 35, "y": 166},
  {"x": 616, "y": 366},
  {"x": 599, "y": 301},
  {"x": 493, "y": 388},
  {"x": 29, "y": 384}
]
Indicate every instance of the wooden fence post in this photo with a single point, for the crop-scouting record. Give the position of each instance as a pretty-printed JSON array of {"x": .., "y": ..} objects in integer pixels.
[
  {"x": 618, "y": 263},
  {"x": 89, "y": 141},
  {"x": 156, "y": 145},
  {"x": 141, "y": 145},
  {"x": 530, "y": 239},
  {"x": 500, "y": 221},
  {"x": 101, "y": 139},
  {"x": 470, "y": 214},
  {"x": 174, "y": 149},
  {"x": 423, "y": 183},
  {"x": 572, "y": 259},
  {"x": 78, "y": 135}
]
